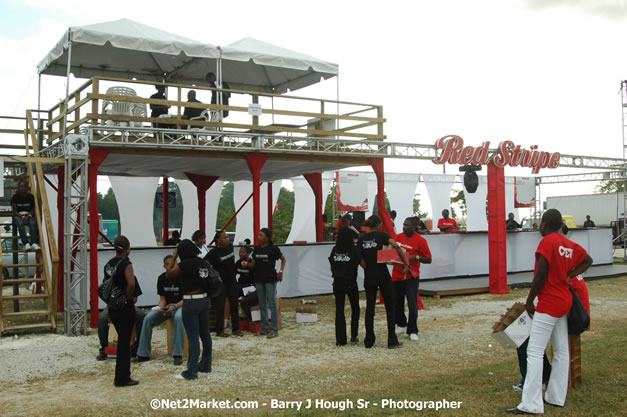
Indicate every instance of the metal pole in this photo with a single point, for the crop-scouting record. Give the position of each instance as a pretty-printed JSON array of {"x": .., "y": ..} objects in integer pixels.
[{"x": 67, "y": 84}]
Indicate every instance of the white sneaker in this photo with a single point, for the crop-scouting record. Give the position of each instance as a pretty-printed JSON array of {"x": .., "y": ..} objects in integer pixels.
[
  {"x": 27, "y": 246},
  {"x": 413, "y": 337},
  {"x": 399, "y": 330},
  {"x": 517, "y": 387},
  {"x": 35, "y": 246}
]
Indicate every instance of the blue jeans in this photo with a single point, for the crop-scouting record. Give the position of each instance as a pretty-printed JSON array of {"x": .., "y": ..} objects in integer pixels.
[
  {"x": 153, "y": 319},
  {"x": 21, "y": 229},
  {"x": 407, "y": 288},
  {"x": 267, "y": 299},
  {"x": 196, "y": 322}
]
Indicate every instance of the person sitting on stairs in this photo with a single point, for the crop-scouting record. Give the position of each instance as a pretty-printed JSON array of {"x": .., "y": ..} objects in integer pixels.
[{"x": 23, "y": 204}]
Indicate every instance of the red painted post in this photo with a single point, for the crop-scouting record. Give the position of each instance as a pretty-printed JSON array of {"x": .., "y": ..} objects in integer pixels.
[
  {"x": 377, "y": 167},
  {"x": 60, "y": 235},
  {"x": 96, "y": 157},
  {"x": 166, "y": 212},
  {"x": 255, "y": 163},
  {"x": 202, "y": 183},
  {"x": 497, "y": 237},
  {"x": 315, "y": 182},
  {"x": 270, "y": 206}
]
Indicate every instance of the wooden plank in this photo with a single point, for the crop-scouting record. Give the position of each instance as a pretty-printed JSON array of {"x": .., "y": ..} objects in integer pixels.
[
  {"x": 25, "y": 297},
  {"x": 26, "y": 314},
  {"x": 277, "y": 129},
  {"x": 34, "y": 159},
  {"x": 28, "y": 327}
]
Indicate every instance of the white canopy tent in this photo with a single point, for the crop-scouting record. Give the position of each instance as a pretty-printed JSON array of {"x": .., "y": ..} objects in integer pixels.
[
  {"x": 126, "y": 49},
  {"x": 251, "y": 64}
]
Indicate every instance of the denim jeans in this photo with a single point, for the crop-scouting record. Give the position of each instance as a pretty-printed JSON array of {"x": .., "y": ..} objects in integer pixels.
[
  {"x": 21, "y": 229},
  {"x": 153, "y": 319},
  {"x": 340, "y": 291},
  {"x": 267, "y": 299},
  {"x": 543, "y": 327},
  {"x": 196, "y": 322},
  {"x": 407, "y": 288}
]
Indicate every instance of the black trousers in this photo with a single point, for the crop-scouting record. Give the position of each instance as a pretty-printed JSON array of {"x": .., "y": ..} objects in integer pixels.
[
  {"x": 230, "y": 290},
  {"x": 522, "y": 363},
  {"x": 123, "y": 321},
  {"x": 385, "y": 286},
  {"x": 251, "y": 300},
  {"x": 340, "y": 291}
]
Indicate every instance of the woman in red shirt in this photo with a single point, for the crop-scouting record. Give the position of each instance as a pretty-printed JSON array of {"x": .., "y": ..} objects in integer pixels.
[{"x": 557, "y": 260}]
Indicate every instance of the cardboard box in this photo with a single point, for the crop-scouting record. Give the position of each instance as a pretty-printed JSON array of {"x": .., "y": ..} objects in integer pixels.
[
  {"x": 306, "y": 317},
  {"x": 513, "y": 328}
]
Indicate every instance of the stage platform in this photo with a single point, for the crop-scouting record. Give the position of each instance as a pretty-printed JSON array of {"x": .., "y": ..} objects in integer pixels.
[{"x": 439, "y": 287}]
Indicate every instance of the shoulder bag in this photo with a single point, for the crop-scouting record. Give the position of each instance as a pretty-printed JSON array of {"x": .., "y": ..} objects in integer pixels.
[
  {"x": 578, "y": 317},
  {"x": 111, "y": 294}
]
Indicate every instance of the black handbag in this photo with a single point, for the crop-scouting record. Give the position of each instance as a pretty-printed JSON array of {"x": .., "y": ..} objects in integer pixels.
[
  {"x": 578, "y": 317},
  {"x": 111, "y": 294},
  {"x": 211, "y": 278}
]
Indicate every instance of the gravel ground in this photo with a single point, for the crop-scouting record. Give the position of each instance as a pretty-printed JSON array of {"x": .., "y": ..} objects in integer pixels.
[{"x": 51, "y": 374}]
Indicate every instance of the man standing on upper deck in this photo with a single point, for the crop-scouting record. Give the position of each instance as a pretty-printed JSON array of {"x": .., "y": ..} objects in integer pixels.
[
  {"x": 211, "y": 79},
  {"x": 446, "y": 224},
  {"x": 159, "y": 109}
]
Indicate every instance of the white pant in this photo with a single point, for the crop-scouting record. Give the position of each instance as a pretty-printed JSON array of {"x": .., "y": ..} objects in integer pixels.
[{"x": 544, "y": 326}]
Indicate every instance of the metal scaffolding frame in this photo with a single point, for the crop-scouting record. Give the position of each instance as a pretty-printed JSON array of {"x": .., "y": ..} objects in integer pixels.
[
  {"x": 75, "y": 235},
  {"x": 74, "y": 149}
]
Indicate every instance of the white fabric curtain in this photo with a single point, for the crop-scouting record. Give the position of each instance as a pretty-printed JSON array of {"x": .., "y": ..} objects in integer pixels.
[
  {"x": 401, "y": 189},
  {"x": 439, "y": 188},
  {"x": 190, "y": 208},
  {"x": 509, "y": 199},
  {"x": 476, "y": 206},
  {"x": 243, "y": 189},
  {"x": 303, "y": 223},
  {"x": 135, "y": 197}
]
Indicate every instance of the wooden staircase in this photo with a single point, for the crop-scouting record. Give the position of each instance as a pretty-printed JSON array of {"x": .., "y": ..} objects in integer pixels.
[{"x": 27, "y": 277}]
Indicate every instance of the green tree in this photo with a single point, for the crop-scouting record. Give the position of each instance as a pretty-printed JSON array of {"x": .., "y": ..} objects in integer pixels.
[
  {"x": 226, "y": 207},
  {"x": 459, "y": 198},
  {"x": 611, "y": 186},
  {"x": 108, "y": 206},
  {"x": 175, "y": 214},
  {"x": 282, "y": 217}
]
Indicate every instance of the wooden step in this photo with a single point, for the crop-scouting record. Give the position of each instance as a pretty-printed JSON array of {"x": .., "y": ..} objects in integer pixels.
[
  {"x": 28, "y": 327},
  {"x": 10, "y": 237},
  {"x": 24, "y": 251},
  {"x": 22, "y": 281},
  {"x": 21, "y": 265},
  {"x": 25, "y": 313},
  {"x": 25, "y": 297}
]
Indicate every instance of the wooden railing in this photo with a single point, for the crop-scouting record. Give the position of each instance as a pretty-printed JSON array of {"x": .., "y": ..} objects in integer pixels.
[
  {"x": 36, "y": 177},
  {"x": 295, "y": 113}
]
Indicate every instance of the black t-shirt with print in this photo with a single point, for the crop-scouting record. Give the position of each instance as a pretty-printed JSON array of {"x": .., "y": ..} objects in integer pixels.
[
  {"x": 369, "y": 244},
  {"x": 194, "y": 272},
  {"x": 23, "y": 202},
  {"x": 344, "y": 264},
  {"x": 170, "y": 288},
  {"x": 265, "y": 263},
  {"x": 245, "y": 276},
  {"x": 223, "y": 260}
]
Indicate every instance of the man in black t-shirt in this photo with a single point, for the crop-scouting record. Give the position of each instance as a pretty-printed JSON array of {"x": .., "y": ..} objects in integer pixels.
[
  {"x": 170, "y": 303},
  {"x": 588, "y": 222},
  {"x": 191, "y": 112},
  {"x": 511, "y": 223},
  {"x": 23, "y": 205},
  {"x": 159, "y": 109},
  {"x": 211, "y": 79}
]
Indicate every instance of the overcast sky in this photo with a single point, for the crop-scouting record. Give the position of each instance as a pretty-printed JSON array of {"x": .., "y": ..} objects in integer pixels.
[{"x": 532, "y": 71}]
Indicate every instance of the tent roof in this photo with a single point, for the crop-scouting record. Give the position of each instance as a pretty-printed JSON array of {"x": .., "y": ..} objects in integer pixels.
[
  {"x": 125, "y": 49},
  {"x": 255, "y": 65}
]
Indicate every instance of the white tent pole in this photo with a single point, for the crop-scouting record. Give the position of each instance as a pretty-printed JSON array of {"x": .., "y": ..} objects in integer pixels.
[
  {"x": 67, "y": 84},
  {"x": 219, "y": 83}
]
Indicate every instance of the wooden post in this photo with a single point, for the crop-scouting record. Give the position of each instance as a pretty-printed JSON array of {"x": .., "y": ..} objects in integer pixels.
[
  {"x": 380, "y": 124},
  {"x": 574, "y": 354},
  {"x": 94, "y": 102},
  {"x": 178, "y": 106},
  {"x": 255, "y": 118},
  {"x": 77, "y": 112}
]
